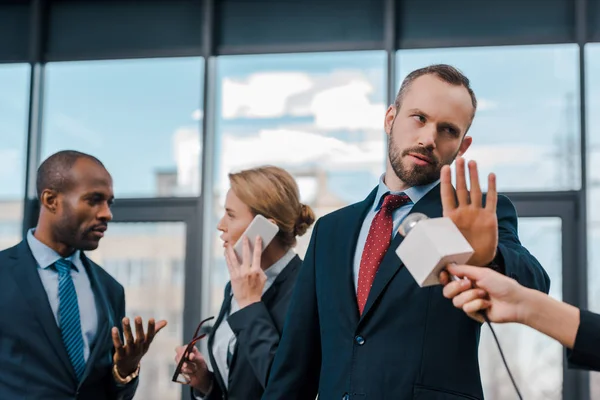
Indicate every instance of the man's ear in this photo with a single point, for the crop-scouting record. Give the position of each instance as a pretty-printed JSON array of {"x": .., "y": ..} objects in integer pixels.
[
  {"x": 390, "y": 115},
  {"x": 464, "y": 146},
  {"x": 49, "y": 200}
]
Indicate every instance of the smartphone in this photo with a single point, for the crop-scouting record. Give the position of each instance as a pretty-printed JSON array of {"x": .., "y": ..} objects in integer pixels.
[{"x": 260, "y": 226}]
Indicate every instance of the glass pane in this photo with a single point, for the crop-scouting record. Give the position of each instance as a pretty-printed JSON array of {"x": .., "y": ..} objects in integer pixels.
[
  {"x": 14, "y": 81},
  {"x": 139, "y": 117},
  {"x": 527, "y": 117},
  {"x": 535, "y": 360},
  {"x": 147, "y": 259},
  {"x": 320, "y": 116},
  {"x": 592, "y": 54}
]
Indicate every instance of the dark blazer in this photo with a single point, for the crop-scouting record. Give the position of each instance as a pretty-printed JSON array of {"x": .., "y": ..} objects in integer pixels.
[
  {"x": 35, "y": 364},
  {"x": 257, "y": 328},
  {"x": 409, "y": 343},
  {"x": 586, "y": 351}
]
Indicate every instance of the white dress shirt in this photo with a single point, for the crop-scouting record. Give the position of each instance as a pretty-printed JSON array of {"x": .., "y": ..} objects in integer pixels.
[
  {"x": 415, "y": 194},
  {"x": 45, "y": 258},
  {"x": 224, "y": 336}
]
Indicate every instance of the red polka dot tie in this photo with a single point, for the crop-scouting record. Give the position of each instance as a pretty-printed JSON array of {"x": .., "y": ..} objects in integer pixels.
[{"x": 378, "y": 241}]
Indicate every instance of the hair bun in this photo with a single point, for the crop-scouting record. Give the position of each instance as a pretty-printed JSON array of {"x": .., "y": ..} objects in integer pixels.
[{"x": 305, "y": 220}]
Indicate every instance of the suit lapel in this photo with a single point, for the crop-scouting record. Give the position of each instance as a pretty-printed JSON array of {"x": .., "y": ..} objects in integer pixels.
[
  {"x": 349, "y": 227},
  {"x": 271, "y": 295},
  {"x": 26, "y": 276},
  {"x": 429, "y": 205},
  {"x": 211, "y": 338},
  {"x": 289, "y": 269},
  {"x": 104, "y": 315}
]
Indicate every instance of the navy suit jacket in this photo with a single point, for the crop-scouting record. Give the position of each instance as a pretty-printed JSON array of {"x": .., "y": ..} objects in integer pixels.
[
  {"x": 35, "y": 364},
  {"x": 409, "y": 343}
]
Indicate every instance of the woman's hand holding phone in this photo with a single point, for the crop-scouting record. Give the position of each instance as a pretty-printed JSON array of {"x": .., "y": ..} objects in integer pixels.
[{"x": 247, "y": 278}]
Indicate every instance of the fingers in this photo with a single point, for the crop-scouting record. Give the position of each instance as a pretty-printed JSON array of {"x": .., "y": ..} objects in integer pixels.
[
  {"x": 475, "y": 188},
  {"x": 233, "y": 264},
  {"x": 119, "y": 350},
  {"x": 476, "y": 305},
  {"x": 492, "y": 195},
  {"x": 468, "y": 296},
  {"x": 139, "y": 331},
  {"x": 179, "y": 353},
  {"x": 444, "y": 278},
  {"x": 455, "y": 288},
  {"x": 127, "y": 333},
  {"x": 151, "y": 329},
  {"x": 474, "y": 274},
  {"x": 246, "y": 253},
  {"x": 446, "y": 190},
  {"x": 257, "y": 252},
  {"x": 461, "y": 183}
]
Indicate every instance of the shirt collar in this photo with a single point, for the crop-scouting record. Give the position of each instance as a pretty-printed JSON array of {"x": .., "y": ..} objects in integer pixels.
[
  {"x": 274, "y": 270},
  {"x": 45, "y": 256},
  {"x": 415, "y": 193}
]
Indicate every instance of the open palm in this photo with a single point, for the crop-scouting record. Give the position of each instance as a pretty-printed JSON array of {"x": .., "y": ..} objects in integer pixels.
[{"x": 477, "y": 223}]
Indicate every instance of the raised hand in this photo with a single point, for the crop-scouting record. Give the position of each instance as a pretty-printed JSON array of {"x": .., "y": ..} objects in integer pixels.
[
  {"x": 247, "y": 279},
  {"x": 127, "y": 357},
  {"x": 477, "y": 223}
]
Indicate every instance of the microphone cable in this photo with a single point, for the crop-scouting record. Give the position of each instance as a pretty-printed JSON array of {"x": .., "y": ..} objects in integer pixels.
[
  {"x": 483, "y": 313},
  {"x": 485, "y": 317}
]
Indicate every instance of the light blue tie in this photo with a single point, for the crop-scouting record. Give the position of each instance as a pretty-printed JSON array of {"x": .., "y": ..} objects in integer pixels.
[{"x": 68, "y": 317}]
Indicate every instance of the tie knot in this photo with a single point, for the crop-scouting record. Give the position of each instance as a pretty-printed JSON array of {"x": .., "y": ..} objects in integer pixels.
[
  {"x": 393, "y": 201},
  {"x": 63, "y": 266}
]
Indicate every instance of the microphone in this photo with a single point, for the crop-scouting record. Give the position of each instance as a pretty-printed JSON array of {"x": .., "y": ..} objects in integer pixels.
[{"x": 432, "y": 244}]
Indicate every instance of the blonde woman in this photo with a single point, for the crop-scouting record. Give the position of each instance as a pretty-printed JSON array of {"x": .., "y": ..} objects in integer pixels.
[{"x": 245, "y": 337}]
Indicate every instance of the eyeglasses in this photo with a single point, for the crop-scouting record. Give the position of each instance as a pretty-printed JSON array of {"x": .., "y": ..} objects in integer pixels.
[{"x": 178, "y": 376}]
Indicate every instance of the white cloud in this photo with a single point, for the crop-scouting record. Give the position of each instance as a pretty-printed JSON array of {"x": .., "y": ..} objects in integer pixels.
[
  {"x": 197, "y": 115},
  {"x": 262, "y": 95},
  {"x": 486, "y": 104},
  {"x": 292, "y": 149},
  {"x": 337, "y": 100},
  {"x": 348, "y": 107}
]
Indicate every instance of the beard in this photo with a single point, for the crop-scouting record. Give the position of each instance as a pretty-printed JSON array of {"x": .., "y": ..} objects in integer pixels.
[
  {"x": 416, "y": 175},
  {"x": 69, "y": 231}
]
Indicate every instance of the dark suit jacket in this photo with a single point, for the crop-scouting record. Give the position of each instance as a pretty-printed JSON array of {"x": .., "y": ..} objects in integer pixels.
[
  {"x": 409, "y": 343},
  {"x": 586, "y": 351},
  {"x": 257, "y": 328},
  {"x": 35, "y": 364}
]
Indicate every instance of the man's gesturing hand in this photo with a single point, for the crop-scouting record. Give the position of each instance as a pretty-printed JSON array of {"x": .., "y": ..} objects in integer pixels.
[{"x": 127, "y": 357}]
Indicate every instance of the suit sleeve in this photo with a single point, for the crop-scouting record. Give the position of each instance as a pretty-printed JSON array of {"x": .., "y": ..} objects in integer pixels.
[
  {"x": 586, "y": 352},
  {"x": 122, "y": 392},
  {"x": 512, "y": 258},
  {"x": 215, "y": 393},
  {"x": 297, "y": 365},
  {"x": 258, "y": 338}
]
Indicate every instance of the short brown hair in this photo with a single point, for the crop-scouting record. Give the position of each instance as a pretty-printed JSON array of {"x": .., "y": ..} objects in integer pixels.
[
  {"x": 273, "y": 193},
  {"x": 446, "y": 73}
]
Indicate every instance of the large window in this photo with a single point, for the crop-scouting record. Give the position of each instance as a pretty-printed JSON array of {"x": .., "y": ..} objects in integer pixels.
[
  {"x": 535, "y": 360},
  {"x": 14, "y": 81},
  {"x": 320, "y": 116},
  {"x": 528, "y": 112},
  {"x": 144, "y": 257},
  {"x": 139, "y": 117},
  {"x": 592, "y": 53}
]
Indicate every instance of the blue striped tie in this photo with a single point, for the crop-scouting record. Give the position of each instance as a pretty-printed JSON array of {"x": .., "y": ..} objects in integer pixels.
[{"x": 68, "y": 317}]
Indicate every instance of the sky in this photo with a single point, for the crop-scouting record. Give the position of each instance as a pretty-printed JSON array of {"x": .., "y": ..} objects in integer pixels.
[{"x": 325, "y": 110}]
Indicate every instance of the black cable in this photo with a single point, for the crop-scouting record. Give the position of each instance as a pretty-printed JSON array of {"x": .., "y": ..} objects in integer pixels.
[{"x": 483, "y": 313}]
